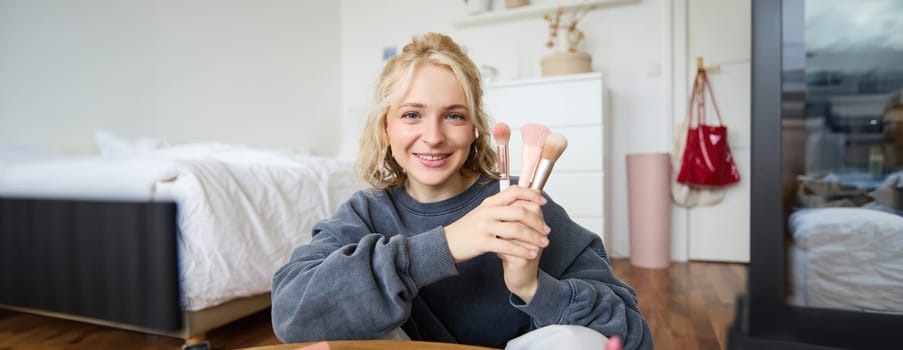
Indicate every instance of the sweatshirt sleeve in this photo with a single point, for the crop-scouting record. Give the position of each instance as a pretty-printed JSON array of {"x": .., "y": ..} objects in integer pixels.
[
  {"x": 331, "y": 290},
  {"x": 587, "y": 293}
]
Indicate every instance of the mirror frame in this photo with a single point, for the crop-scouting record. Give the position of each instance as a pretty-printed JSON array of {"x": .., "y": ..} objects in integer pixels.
[{"x": 763, "y": 319}]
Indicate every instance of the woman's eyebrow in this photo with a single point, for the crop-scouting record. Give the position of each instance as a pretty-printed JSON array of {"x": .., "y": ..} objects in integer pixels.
[
  {"x": 421, "y": 105},
  {"x": 413, "y": 104}
]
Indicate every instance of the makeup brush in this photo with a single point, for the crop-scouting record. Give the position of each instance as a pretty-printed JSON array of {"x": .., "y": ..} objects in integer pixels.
[
  {"x": 501, "y": 133},
  {"x": 534, "y": 136},
  {"x": 552, "y": 149}
]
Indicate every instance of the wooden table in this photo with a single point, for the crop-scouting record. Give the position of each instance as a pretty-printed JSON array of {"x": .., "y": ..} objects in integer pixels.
[{"x": 374, "y": 345}]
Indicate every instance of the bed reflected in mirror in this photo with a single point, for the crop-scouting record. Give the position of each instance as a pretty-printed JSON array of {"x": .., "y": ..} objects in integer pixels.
[{"x": 842, "y": 134}]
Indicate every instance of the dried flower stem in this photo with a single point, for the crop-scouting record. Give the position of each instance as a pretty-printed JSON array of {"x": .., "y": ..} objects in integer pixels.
[{"x": 574, "y": 35}]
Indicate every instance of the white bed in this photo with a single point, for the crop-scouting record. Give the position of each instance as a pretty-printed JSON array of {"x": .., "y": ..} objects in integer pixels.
[
  {"x": 846, "y": 258},
  {"x": 241, "y": 210}
]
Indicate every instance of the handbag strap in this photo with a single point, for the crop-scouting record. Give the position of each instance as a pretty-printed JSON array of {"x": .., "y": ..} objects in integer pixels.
[
  {"x": 700, "y": 84},
  {"x": 695, "y": 92},
  {"x": 708, "y": 86}
]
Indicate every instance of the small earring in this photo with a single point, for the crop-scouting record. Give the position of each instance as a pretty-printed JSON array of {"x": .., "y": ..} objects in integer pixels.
[{"x": 476, "y": 133}]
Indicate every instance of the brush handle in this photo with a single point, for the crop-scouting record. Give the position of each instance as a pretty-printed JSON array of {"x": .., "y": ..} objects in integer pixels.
[
  {"x": 504, "y": 168},
  {"x": 543, "y": 170},
  {"x": 529, "y": 160}
]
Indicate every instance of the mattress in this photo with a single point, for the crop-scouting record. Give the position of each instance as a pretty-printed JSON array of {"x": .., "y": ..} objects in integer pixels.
[
  {"x": 241, "y": 210},
  {"x": 846, "y": 258}
]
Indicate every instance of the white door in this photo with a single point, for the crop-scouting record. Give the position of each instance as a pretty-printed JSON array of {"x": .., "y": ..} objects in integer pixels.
[{"x": 719, "y": 31}]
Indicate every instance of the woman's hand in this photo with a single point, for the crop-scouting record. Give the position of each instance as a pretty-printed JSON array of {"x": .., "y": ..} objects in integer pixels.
[
  {"x": 521, "y": 276},
  {"x": 498, "y": 227}
]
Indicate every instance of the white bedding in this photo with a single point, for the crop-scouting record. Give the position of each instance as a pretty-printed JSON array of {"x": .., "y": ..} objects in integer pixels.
[
  {"x": 847, "y": 258},
  {"x": 241, "y": 210}
]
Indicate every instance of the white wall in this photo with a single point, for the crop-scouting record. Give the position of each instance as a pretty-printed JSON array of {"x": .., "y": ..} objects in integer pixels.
[
  {"x": 719, "y": 31},
  {"x": 259, "y": 73},
  {"x": 625, "y": 42},
  {"x": 301, "y": 73}
]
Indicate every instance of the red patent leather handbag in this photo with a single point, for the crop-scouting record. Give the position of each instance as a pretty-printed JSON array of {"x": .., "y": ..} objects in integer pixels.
[{"x": 707, "y": 159}]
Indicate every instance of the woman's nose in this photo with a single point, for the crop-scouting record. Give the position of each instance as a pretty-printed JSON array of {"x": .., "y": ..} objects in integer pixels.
[{"x": 432, "y": 133}]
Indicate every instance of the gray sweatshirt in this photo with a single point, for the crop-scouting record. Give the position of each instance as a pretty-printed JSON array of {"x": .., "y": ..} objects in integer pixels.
[{"x": 383, "y": 262}]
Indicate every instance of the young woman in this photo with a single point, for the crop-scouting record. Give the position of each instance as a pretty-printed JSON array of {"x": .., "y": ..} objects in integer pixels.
[{"x": 414, "y": 251}]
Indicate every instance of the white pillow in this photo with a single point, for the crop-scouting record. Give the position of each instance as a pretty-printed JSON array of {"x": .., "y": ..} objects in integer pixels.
[
  {"x": 196, "y": 150},
  {"x": 813, "y": 227},
  {"x": 114, "y": 146}
]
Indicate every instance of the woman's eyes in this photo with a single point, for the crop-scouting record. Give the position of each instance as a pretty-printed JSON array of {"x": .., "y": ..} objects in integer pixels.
[
  {"x": 455, "y": 116},
  {"x": 415, "y": 115}
]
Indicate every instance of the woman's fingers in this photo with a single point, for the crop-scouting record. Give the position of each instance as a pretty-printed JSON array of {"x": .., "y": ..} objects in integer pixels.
[
  {"x": 526, "y": 213},
  {"x": 536, "y": 218},
  {"x": 516, "y": 193},
  {"x": 515, "y": 260},
  {"x": 473, "y": 235},
  {"x": 517, "y": 231},
  {"x": 510, "y": 222},
  {"x": 505, "y": 247}
]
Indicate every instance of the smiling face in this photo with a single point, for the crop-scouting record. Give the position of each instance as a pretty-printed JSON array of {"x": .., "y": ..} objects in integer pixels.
[{"x": 430, "y": 131}]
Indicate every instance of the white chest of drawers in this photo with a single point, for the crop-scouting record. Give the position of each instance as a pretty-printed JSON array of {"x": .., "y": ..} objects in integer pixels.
[{"x": 573, "y": 106}]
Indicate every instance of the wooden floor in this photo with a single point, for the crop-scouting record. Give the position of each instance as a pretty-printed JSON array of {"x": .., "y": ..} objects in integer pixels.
[{"x": 688, "y": 306}]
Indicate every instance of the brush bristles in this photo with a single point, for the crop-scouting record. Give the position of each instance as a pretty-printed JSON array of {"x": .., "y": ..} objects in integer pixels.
[
  {"x": 554, "y": 147},
  {"x": 501, "y": 133},
  {"x": 534, "y": 134}
]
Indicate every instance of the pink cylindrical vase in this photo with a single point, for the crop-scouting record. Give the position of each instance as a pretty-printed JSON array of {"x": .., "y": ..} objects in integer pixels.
[{"x": 649, "y": 204}]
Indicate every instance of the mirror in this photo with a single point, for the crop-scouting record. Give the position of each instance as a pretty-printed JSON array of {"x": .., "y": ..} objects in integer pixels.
[{"x": 842, "y": 158}]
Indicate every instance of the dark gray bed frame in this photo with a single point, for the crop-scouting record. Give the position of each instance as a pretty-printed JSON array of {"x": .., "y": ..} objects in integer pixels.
[
  {"x": 113, "y": 263},
  {"x": 107, "y": 260}
]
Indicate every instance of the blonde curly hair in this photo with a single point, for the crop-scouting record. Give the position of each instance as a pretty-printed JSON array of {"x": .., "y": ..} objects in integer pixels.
[{"x": 375, "y": 164}]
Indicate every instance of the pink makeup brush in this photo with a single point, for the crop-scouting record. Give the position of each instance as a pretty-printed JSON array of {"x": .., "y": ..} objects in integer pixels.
[
  {"x": 501, "y": 133},
  {"x": 551, "y": 150},
  {"x": 534, "y": 136}
]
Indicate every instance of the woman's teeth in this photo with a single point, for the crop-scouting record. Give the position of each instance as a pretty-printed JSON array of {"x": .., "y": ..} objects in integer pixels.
[{"x": 432, "y": 157}]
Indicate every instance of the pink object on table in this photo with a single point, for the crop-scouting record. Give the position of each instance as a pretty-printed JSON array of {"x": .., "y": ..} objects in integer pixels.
[
  {"x": 613, "y": 343},
  {"x": 649, "y": 202},
  {"x": 317, "y": 346}
]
